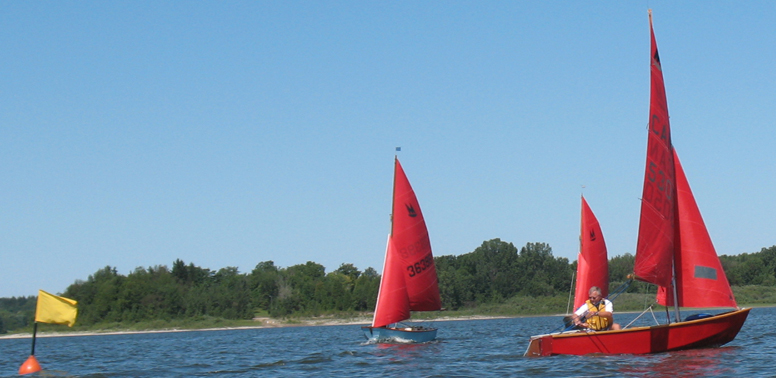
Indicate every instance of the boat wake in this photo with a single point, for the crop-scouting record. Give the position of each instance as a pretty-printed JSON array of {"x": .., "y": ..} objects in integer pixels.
[{"x": 397, "y": 341}]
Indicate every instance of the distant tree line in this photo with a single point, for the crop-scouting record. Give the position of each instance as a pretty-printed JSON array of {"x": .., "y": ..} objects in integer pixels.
[
  {"x": 496, "y": 271},
  {"x": 16, "y": 312},
  {"x": 493, "y": 273}
]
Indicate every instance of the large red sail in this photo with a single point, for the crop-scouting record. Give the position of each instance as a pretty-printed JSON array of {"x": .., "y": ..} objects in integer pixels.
[
  {"x": 593, "y": 262},
  {"x": 409, "y": 260},
  {"x": 409, "y": 237},
  {"x": 658, "y": 203},
  {"x": 700, "y": 280}
]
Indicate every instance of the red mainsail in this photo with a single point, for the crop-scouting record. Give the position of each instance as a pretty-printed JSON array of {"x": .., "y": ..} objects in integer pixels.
[
  {"x": 592, "y": 262},
  {"x": 409, "y": 281},
  {"x": 658, "y": 203},
  {"x": 673, "y": 243},
  {"x": 700, "y": 280}
]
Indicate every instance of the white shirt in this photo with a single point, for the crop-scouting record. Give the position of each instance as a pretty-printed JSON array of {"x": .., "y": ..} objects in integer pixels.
[{"x": 582, "y": 310}]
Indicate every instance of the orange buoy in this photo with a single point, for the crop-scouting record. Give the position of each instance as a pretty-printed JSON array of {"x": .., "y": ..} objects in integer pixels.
[{"x": 30, "y": 366}]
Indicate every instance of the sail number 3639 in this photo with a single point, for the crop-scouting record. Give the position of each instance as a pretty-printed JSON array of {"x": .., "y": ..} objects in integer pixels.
[{"x": 423, "y": 264}]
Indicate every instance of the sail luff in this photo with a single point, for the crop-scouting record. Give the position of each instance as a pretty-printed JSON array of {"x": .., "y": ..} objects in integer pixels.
[
  {"x": 396, "y": 166},
  {"x": 655, "y": 248},
  {"x": 376, "y": 317}
]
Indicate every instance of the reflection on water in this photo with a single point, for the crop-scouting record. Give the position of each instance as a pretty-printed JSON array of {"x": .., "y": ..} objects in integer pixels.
[{"x": 685, "y": 363}]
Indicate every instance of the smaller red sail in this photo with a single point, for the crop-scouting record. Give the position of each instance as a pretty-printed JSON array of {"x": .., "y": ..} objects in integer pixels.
[
  {"x": 700, "y": 280},
  {"x": 409, "y": 281},
  {"x": 655, "y": 247},
  {"x": 592, "y": 262},
  {"x": 393, "y": 304}
]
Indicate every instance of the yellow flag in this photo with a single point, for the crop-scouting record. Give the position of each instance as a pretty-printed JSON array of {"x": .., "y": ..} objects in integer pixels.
[{"x": 55, "y": 310}]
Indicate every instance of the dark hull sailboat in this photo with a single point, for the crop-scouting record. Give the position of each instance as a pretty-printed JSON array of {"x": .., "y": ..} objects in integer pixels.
[{"x": 409, "y": 280}]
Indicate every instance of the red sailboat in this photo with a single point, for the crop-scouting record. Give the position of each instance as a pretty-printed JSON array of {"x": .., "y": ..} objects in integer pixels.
[
  {"x": 409, "y": 280},
  {"x": 674, "y": 252}
]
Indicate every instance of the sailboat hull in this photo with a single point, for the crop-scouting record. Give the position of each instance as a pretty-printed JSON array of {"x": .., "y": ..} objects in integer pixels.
[
  {"x": 702, "y": 333},
  {"x": 400, "y": 335}
]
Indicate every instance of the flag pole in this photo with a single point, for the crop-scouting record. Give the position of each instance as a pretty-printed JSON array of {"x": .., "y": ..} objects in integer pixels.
[
  {"x": 31, "y": 365},
  {"x": 34, "y": 332}
]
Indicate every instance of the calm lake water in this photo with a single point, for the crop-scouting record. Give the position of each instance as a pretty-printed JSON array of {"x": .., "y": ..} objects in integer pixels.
[{"x": 473, "y": 348}]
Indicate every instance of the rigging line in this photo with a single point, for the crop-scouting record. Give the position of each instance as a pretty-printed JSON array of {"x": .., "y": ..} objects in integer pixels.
[
  {"x": 620, "y": 290},
  {"x": 640, "y": 315},
  {"x": 568, "y": 306}
]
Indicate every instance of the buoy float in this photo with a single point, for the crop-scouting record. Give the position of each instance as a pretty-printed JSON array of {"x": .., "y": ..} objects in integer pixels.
[{"x": 30, "y": 366}]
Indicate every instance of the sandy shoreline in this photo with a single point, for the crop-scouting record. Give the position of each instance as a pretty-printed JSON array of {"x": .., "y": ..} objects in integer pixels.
[
  {"x": 263, "y": 323},
  {"x": 276, "y": 323}
]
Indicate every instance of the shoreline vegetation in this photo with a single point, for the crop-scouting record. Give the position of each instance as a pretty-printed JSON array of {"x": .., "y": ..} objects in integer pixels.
[
  {"x": 267, "y": 322},
  {"x": 495, "y": 280}
]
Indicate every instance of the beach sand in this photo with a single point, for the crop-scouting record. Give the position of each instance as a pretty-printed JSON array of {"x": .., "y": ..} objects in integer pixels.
[{"x": 261, "y": 323}]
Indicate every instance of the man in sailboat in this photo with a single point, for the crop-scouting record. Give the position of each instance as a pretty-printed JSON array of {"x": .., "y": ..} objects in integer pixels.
[{"x": 596, "y": 314}]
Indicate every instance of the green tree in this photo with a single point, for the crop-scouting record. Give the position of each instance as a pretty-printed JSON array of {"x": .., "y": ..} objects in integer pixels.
[
  {"x": 264, "y": 285},
  {"x": 542, "y": 274},
  {"x": 303, "y": 280},
  {"x": 97, "y": 296},
  {"x": 230, "y": 295},
  {"x": 348, "y": 270},
  {"x": 365, "y": 291}
]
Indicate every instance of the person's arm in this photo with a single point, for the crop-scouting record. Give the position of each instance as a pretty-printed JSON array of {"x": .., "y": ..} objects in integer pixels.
[
  {"x": 607, "y": 312},
  {"x": 577, "y": 316}
]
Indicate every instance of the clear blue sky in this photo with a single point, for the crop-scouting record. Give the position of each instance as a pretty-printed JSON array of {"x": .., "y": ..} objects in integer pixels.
[{"x": 229, "y": 133}]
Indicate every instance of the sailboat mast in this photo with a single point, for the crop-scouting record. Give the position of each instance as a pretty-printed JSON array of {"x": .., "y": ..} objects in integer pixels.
[
  {"x": 571, "y": 291},
  {"x": 569, "y": 309},
  {"x": 676, "y": 296},
  {"x": 393, "y": 191},
  {"x": 677, "y": 245}
]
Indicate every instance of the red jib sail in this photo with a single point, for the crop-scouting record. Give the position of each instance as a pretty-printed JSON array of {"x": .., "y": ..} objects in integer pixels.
[
  {"x": 409, "y": 281},
  {"x": 700, "y": 280},
  {"x": 658, "y": 203},
  {"x": 393, "y": 304},
  {"x": 592, "y": 262}
]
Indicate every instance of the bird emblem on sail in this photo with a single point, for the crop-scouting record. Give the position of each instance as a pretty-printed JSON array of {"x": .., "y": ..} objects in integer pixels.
[
  {"x": 592, "y": 235},
  {"x": 656, "y": 61},
  {"x": 411, "y": 210}
]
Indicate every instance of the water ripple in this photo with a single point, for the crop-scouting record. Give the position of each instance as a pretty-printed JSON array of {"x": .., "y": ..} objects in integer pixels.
[{"x": 477, "y": 348}]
